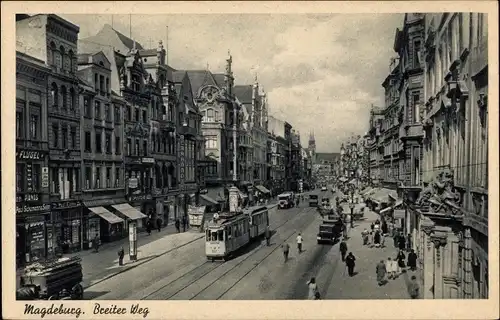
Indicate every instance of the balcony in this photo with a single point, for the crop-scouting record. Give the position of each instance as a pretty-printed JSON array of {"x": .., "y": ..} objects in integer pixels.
[
  {"x": 412, "y": 131},
  {"x": 188, "y": 131},
  {"x": 166, "y": 123}
]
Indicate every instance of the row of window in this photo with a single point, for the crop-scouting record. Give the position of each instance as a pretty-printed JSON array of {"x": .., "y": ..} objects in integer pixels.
[
  {"x": 102, "y": 177},
  {"x": 99, "y": 113},
  {"x": 33, "y": 125},
  {"x": 135, "y": 148},
  {"x": 63, "y": 138},
  {"x": 211, "y": 115},
  {"x": 163, "y": 143},
  {"x": 99, "y": 146},
  {"x": 101, "y": 84},
  {"x": 190, "y": 164},
  {"x": 62, "y": 60},
  {"x": 63, "y": 98}
]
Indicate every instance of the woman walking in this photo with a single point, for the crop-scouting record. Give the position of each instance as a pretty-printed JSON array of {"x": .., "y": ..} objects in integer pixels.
[
  {"x": 381, "y": 270},
  {"x": 313, "y": 289}
]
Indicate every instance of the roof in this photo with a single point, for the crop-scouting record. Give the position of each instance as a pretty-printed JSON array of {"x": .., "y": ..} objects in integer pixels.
[
  {"x": 108, "y": 36},
  {"x": 199, "y": 79},
  {"x": 219, "y": 78},
  {"x": 178, "y": 76},
  {"x": 244, "y": 93}
]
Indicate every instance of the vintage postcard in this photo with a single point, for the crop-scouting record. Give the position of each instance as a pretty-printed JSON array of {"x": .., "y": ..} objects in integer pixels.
[{"x": 238, "y": 160}]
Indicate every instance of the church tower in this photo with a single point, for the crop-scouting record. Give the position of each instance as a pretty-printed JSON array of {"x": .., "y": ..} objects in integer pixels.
[{"x": 312, "y": 147}]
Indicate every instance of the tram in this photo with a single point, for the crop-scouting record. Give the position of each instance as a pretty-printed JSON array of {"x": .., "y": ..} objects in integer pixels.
[{"x": 229, "y": 232}]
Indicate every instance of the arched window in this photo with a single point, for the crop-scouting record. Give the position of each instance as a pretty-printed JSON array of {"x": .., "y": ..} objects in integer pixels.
[
  {"x": 64, "y": 97},
  {"x": 55, "y": 95},
  {"x": 72, "y": 99},
  {"x": 71, "y": 57},
  {"x": 53, "y": 53},
  {"x": 63, "y": 57}
]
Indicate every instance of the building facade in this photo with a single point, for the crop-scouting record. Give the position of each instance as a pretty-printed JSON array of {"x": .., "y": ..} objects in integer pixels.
[
  {"x": 453, "y": 237},
  {"x": 375, "y": 146},
  {"x": 32, "y": 178}
]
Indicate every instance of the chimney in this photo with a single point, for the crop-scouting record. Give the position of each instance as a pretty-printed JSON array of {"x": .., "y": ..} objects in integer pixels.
[{"x": 160, "y": 54}]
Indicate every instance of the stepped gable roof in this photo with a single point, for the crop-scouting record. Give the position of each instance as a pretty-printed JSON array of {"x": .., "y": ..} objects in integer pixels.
[{"x": 244, "y": 93}]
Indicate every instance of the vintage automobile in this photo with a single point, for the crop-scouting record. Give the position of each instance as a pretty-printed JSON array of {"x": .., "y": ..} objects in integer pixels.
[
  {"x": 52, "y": 280},
  {"x": 285, "y": 201},
  {"x": 326, "y": 207},
  {"x": 313, "y": 200},
  {"x": 330, "y": 230}
]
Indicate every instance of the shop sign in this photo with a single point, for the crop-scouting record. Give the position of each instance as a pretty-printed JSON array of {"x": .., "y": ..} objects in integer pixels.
[
  {"x": 28, "y": 197},
  {"x": 27, "y": 209},
  {"x": 66, "y": 205},
  {"x": 140, "y": 197},
  {"x": 45, "y": 177},
  {"x": 182, "y": 160},
  {"x": 29, "y": 155},
  {"x": 148, "y": 160}
]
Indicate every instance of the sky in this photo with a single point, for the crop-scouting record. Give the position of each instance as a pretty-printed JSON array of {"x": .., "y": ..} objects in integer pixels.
[{"x": 321, "y": 72}]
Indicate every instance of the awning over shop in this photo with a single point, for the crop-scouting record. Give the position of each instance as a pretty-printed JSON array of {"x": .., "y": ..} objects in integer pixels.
[
  {"x": 106, "y": 215},
  {"x": 103, "y": 202},
  {"x": 207, "y": 199},
  {"x": 262, "y": 189},
  {"x": 382, "y": 196},
  {"x": 129, "y": 211},
  {"x": 215, "y": 193},
  {"x": 393, "y": 207}
]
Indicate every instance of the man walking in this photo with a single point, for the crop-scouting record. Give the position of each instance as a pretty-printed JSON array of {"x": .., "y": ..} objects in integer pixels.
[
  {"x": 121, "y": 254},
  {"x": 178, "y": 225},
  {"x": 268, "y": 236},
  {"x": 286, "y": 249},
  {"x": 158, "y": 224},
  {"x": 412, "y": 260},
  {"x": 299, "y": 243},
  {"x": 343, "y": 249},
  {"x": 350, "y": 262},
  {"x": 381, "y": 270}
]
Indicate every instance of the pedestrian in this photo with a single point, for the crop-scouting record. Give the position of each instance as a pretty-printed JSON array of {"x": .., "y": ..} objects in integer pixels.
[
  {"x": 184, "y": 223},
  {"x": 268, "y": 236},
  {"x": 396, "y": 238},
  {"x": 401, "y": 259},
  {"x": 414, "y": 288},
  {"x": 343, "y": 249},
  {"x": 148, "y": 227},
  {"x": 350, "y": 262},
  {"x": 178, "y": 225},
  {"x": 402, "y": 242},
  {"x": 381, "y": 271},
  {"x": 158, "y": 224},
  {"x": 364, "y": 235},
  {"x": 121, "y": 254},
  {"x": 412, "y": 260},
  {"x": 372, "y": 226},
  {"x": 313, "y": 289},
  {"x": 376, "y": 239},
  {"x": 384, "y": 228},
  {"x": 391, "y": 272},
  {"x": 96, "y": 243},
  {"x": 286, "y": 249},
  {"x": 299, "y": 243},
  {"x": 408, "y": 242}
]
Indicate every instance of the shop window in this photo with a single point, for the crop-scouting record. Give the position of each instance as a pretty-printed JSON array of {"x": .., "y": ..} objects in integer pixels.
[
  {"x": 20, "y": 172},
  {"x": 54, "y": 179}
]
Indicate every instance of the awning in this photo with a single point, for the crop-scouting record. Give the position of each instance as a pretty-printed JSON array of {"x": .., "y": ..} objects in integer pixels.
[
  {"x": 382, "y": 196},
  {"x": 216, "y": 193},
  {"x": 262, "y": 189},
  {"x": 129, "y": 211},
  {"x": 399, "y": 214},
  {"x": 393, "y": 207},
  {"x": 106, "y": 215},
  {"x": 207, "y": 199}
]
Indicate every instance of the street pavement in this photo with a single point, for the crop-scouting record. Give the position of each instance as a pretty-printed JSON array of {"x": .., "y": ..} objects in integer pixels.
[{"x": 259, "y": 272}]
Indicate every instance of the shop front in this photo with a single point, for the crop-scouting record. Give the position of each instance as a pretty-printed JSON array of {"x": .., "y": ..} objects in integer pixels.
[
  {"x": 144, "y": 204},
  {"x": 169, "y": 210},
  {"x": 66, "y": 226},
  {"x": 262, "y": 192},
  {"x": 130, "y": 214},
  {"x": 103, "y": 223}
]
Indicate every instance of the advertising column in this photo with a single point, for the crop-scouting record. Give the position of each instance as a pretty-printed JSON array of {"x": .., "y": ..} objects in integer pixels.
[{"x": 132, "y": 238}]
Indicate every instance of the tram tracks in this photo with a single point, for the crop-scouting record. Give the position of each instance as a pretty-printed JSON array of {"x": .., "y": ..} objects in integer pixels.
[{"x": 189, "y": 285}]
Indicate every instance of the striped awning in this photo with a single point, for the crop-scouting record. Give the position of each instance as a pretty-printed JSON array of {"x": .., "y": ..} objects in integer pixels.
[
  {"x": 262, "y": 189},
  {"x": 106, "y": 215},
  {"x": 207, "y": 199},
  {"x": 129, "y": 211}
]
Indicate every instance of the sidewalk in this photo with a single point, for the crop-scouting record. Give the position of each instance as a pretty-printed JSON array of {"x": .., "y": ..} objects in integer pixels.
[{"x": 363, "y": 285}]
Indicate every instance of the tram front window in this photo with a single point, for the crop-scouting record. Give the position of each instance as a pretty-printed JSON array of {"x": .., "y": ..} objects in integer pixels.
[
  {"x": 213, "y": 236},
  {"x": 220, "y": 235}
]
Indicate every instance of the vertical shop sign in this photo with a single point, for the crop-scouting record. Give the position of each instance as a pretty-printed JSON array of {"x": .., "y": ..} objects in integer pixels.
[
  {"x": 29, "y": 176},
  {"x": 182, "y": 160},
  {"x": 45, "y": 177}
]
